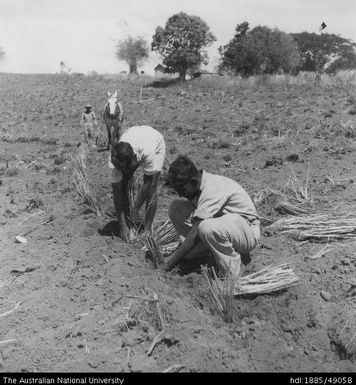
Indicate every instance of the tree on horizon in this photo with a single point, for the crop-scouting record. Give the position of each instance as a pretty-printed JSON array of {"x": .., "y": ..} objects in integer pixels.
[
  {"x": 133, "y": 50},
  {"x": 182, "y": 42},
  {"x": 258, "y": 51},
  {"x": 2, "y": 53},
  {"x": 63, "y": 68},
  {"x": 328, "y": 52}
]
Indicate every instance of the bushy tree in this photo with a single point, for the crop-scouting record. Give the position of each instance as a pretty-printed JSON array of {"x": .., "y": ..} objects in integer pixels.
[
  {"x": 63, "y": 68},
  {"x": 258, "y": 51},
  {"x": 133, "y": 50},
  {"x": 2, "y": 54},
  {"x": 325, "y": 51},
  {"x": 182, "y": 43}
]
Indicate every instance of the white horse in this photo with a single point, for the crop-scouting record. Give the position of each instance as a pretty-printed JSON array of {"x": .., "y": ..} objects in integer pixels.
[{"x": 113, "y": 117}]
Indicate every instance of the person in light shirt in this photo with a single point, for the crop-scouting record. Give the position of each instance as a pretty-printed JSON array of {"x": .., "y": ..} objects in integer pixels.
[
  {"x": 138, "y": 146},
  {"x": 214, "y": 213},
  {"x": 88, "y": 122}
]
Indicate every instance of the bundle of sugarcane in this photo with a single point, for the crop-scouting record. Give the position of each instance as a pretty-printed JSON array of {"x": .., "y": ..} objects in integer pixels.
[
  {"x": 329, "y": 234},
  {"x": 166, "y": 237},
  {"x": 153, "y": 249},
  {"x": 132, "y": 189},
  {"x": 279, "y": 202},
  {"x": 285, "y": 207},
  {"x": 83, "y": 185},
  {"x": 221, "y": 291},
  {"x": 322, "y": 227},
  {"x": 166, "y": 233},
  {"x": 271, "y": 278},
  {"x": 169, "y": 249},
  {"x": 296, "y": 223}
]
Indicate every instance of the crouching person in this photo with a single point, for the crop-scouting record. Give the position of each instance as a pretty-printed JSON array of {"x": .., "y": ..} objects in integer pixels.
[
  {"x": 138, "y": 146},
  {"x": 215, "y": 213}
]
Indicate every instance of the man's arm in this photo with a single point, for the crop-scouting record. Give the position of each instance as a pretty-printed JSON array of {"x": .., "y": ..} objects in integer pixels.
[
  {"x": 189, "y": 243},
  {"x": 121, "y": 207}
]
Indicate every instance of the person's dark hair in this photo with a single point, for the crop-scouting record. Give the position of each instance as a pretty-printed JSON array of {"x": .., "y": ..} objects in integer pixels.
[
  {"x": 181, "y": 171},
  {"x": 121, "y": 152}
]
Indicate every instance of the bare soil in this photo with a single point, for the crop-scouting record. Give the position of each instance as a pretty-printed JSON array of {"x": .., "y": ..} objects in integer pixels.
[{"x": 68, "y": 286}]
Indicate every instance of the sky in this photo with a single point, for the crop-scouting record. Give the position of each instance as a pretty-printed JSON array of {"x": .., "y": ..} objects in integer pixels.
[{"x": 37, "y": 35}]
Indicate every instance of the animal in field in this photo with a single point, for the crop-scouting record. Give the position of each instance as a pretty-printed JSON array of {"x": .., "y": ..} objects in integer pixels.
[{"x": 113, "y": 117}]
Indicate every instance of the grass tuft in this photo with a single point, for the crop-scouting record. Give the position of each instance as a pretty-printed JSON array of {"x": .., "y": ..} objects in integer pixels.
[
  {"x": 221, "y": 291},
  {"x": 84, "y": 187}
]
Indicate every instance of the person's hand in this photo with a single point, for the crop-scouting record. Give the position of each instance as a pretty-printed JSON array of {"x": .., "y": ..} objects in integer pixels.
[{"x": 165, "y": 266}]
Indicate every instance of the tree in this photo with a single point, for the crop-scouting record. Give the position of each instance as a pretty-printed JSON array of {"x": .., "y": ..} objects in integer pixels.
[
  {"x": 63, "y": 69},
  {"x": 182, "y": 43},
  {"x": 235, "y": 57},
  {"x": 259, "y": 51},
  {"x": 133, "y": 50},
  {"x": 325, "y": 51},
  {"x": 2, "y": 54}
]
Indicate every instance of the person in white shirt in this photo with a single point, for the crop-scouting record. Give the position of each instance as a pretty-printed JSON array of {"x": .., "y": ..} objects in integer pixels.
[
  {"x": 138, "y": 146},
  {"x": 215, "y": 214}
]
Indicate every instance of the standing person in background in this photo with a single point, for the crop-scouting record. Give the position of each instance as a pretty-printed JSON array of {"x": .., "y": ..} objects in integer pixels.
[
  {"x": 215, "y": 213},
  {"x": 87, "y": 123},
  {"x": 138, "y": 146}
]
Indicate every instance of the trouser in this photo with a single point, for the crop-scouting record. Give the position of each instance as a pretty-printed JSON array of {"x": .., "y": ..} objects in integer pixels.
[{"x": 226, "y": 237}]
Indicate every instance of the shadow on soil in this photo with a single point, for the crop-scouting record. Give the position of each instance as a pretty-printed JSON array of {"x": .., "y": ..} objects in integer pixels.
[
  {"x": 110, "y": 229},
  {"x": 193, "y": 265},
  {"x": 163, "y": 83}
]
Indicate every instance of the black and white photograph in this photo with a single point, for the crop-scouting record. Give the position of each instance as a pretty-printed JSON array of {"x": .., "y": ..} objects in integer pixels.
[{"x": 177, "y": 189}]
